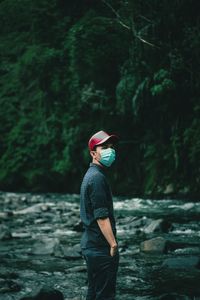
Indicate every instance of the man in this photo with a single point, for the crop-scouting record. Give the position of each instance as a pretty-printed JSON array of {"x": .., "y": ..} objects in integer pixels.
[{"x": 98, "y": 243}]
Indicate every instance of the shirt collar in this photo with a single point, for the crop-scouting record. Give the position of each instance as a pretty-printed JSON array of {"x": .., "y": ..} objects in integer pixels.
[{"x": 101, "y": 169}]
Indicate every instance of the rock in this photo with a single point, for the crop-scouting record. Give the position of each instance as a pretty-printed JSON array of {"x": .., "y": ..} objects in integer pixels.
[
  {"x": 185, "y": 190},
  {"x": 183, "y": 248},
  {"x": 190, "y": 250},
  {"x": 125, "y": 249},
  {"x": 138, "y": 222},
  {"x": 59, "y": 251},
  {"x": 24, "y": 199},
  {"x": 46, "y": 294},
  {"x": 6, "y": 214},
  {"x": 9, "y": 213},
  {"x": 159, "y": 225},
  {"x": 7, "y": 286},
  {"x": 188, "y": 206},
  {"x": 63, "y": 251},
  {"x": 77, "y": 269},
  {"x": 169, "y": 189},
  {"x": 5, "y": 233},
  {"x": 3, "y": 215},
  {"x": 73, "y": 252},
  {"x": 174, "y": 297},
  {"x": 45, "y": 246},
  {"x": 21, "y": 235},
  {"x": 37, "y": 208},
  {"x": 71, "y": 221},
  {"x": 68, "y": 252},
  {"x": 39, "y": 221},
  {"x": 157, "y": 245},
  {"x": 182, "y": 262}
]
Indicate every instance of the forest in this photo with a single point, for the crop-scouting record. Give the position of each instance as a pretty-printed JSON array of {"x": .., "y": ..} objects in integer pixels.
[{"x": 71, "y": 68}]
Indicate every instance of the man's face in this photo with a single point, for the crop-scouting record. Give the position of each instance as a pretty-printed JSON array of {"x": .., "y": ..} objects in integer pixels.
[{"x": 96, "y": 155}]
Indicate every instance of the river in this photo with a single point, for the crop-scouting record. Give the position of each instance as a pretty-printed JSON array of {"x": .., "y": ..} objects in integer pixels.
[{"x": 159, "y": 244}]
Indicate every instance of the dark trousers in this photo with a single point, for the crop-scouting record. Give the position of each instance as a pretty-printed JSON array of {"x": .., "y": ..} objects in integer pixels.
[{"x": 102, "y": 274}]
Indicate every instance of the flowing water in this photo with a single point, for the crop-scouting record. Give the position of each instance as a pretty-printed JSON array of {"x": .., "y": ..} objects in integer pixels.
[{"x": 39, "y": 247}]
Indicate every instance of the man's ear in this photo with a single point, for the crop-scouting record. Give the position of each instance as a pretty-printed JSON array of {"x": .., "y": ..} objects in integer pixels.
[{"x": 92, "y": 153}]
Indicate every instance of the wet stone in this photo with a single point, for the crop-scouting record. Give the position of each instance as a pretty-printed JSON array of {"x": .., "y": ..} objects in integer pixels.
[
  {"x": 182, "y": 263},
  {"x": 159, "y": 225},
  {"x": 44, "y": 246},
  {"x": 5, "y": 233},
  {"x": 188, "y": 250},
  {"x": 46, "y": 294},
  {"x": 175, "y": 297},
  {"x": 73, "y": 252},
  {"x": 77, "y": 269},
  {"x": 7, "y": 286},
  {"x": 21, "y": 235},
  {"x": 155, "y": 245}
]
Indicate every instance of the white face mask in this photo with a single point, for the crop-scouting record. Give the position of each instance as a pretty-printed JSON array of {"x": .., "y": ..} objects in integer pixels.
[{"x": 107, "y": 156}]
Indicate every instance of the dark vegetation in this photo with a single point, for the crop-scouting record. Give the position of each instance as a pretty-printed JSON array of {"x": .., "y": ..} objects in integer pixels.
[{"x": 71, "y": 68}]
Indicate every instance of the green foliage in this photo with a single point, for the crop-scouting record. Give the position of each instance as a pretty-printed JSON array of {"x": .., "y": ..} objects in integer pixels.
[
  {"x": 192, "y": 146},
  {"x": 124, "y": 93},
  {"x": 90, "y": 44},
  {"x": 163, "y": 83},
  {"x": 69, "y": 69}
]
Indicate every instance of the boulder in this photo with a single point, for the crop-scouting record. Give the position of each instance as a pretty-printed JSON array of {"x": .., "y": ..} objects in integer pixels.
[
  {"x": 159, "y": 225},
  {"x": 5, "y": 233},
  {"x": 46, "y": 294},
  {"x": 77, "y": 269},
  {"x": 8, "y": 286},
  {"x": 188, "y": 250},
  {"x": 155, "y": 245},
  {"x": 21, "y": 235},
  {"x": 3, "y": 215},
  {"x": 6, "y": 214},
  {"x": 37, "y": 208},
  {"x": 45, "y": 246},
  {"x": 182, "y": 262},
  {"x": 72, "y": 252},
  {"x": 174, "y": 297},
  {"x": 169, "y": 189}
]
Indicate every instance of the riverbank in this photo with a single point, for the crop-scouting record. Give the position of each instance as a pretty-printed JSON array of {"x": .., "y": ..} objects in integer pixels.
[{"x": 159, "y": 243}]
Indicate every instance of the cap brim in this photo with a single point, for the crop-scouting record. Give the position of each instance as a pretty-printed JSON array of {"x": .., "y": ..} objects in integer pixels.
[{"x": 112, "y": 138}]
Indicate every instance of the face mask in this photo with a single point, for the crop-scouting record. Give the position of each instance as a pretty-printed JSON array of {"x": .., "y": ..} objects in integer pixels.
[{"x": 107, "y": 156}]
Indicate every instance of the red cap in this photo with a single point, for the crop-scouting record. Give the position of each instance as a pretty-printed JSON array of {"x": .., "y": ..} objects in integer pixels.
[{"x": 101, "y": 137}]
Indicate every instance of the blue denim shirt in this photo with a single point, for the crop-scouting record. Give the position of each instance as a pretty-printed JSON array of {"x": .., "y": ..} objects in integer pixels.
[{"x": 95, "y": 203}]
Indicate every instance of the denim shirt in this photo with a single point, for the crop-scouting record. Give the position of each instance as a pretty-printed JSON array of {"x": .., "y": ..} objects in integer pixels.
[{"x": 95, "y": 203}]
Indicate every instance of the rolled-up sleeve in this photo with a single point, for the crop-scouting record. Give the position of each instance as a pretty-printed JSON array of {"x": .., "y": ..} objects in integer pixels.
[
  {"x": 98, "y": 197},
  {"x": 101, "y": 213}
]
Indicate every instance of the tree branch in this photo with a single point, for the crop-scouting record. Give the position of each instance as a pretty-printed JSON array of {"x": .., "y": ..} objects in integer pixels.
[
  {"x": 116, "y": 14},
  {"x": 119, "y": 19}
]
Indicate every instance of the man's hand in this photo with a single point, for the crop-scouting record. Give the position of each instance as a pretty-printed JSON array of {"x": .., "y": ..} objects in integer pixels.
[
  {"x": 113, "y": 250},
  {"x": 106, "y": 229}
]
